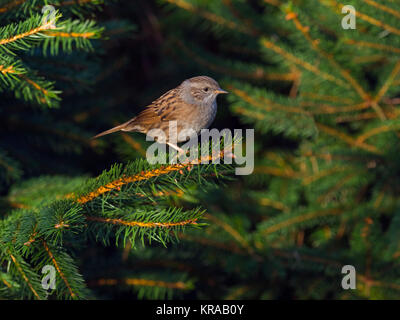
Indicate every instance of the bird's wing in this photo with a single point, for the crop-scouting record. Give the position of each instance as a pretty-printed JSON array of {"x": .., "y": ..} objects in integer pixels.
[
  {"x": 165, "y": 101},
  {"x": 168, "y": 107}
]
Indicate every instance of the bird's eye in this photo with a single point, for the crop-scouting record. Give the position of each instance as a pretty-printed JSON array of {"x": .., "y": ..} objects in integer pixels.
[{"x": 205, "y": 89}]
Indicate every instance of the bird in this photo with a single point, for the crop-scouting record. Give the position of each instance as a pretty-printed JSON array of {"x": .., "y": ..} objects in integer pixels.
[{"x": 192, "y": 105}]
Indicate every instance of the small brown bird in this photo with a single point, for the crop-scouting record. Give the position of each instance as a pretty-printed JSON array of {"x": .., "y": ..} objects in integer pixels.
[{"x": 192, "y": 105}]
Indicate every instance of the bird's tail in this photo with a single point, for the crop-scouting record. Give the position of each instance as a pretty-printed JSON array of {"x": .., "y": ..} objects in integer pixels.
[{"x": 115, "y": 129}]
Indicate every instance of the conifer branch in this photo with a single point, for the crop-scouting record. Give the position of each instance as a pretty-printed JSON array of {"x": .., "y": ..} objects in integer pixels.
[
  {"x": 377, "y": 23},
  {"x": 286, "y": 172},
  {"x": 56, "y": 265},
  {"x": 338, "y": 7},
  {"x": 257, "y": 74},
  {"x": 275, "y": 3},
  {"x": 141, "y": 282},
  {"x": 135, "y": 145},
  {"x": 336, "y": 99},
  {"x": 373, "y": 45},
  {"x": 368, "y": 282},
  {"x": 142, "y": 224},
  {"x": 314, "y": 177},
  {"x": 273, "y": 203},
  {"x": 325, "y": 173},
  {"x": 11, "y": 5},
  {"x": 384, "y": 128},
  {"x": 229, "y": 246},
  {"x": 144, "y": 175},
  {"x": 71, "y": 34},
  {"x": 245, "y": 22},
  {"x": 117, "y": 184},
  {"x": 348, "y": 139},
  {"x": 327, "y": 109},
  {"x": 79, "y": 2},
  {"x": 359, "y": 117},
  {"x": 383, "y": 8},
  {"x": 388, "y": 82},
  {"x": 345, "y": 73},
  {"x": 256, "y": 115},
  {"x": 210, "y": 16},
  {"x": 285, "y": 223},
  {"x": 234, "y": 233},
  {"x": 266, "y": 104},
  {"x": 9, "y": 69},
  {"x": 26, "y": 34},
  {"x": 17, "y": 37},
  {"x": 304, "y": 64},
  {"x": 24, "y": 276}
]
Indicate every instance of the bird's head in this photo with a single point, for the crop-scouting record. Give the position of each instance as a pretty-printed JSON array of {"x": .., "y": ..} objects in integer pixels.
[{"x": 200, "y": 90}]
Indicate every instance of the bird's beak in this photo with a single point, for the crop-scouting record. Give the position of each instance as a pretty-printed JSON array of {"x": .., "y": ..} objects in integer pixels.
[{"x": 221, "y": 91}]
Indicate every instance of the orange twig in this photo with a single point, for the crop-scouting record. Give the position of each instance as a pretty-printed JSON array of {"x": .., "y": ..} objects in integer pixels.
[
  {"x": 140, "y": 282},
  {"x": 288, "y": 56},
  {"x": 24, "y": 276},
  {"x": 70, "y": 34},
  {"x": 301, "y": 218},
  {"x": 58, "y": 268},
  {"x": 8, "y": 69},
  {"x": 267, "y": 104},
  {"x": 346, "y": 138},
  {"x": 43, "y": 27},
  {"x": 383, "y": 8},
  {"x": 209, "y": 15},
  {"x": 345, "y": 73},
  {"x": 142, "y": 224},
  {"x": 375, "y": 131},
  {"x": 117, "y": 184},
  {"x": 388, "y": 82},
  {"x": 373, "y": 45},
  {"x": 10, "y": 5}
]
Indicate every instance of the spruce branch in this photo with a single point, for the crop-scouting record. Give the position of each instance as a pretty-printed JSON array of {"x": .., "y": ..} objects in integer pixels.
[
  {"x": 17, "y": 8},
  {"x": 268, "y": 112},
  {"x": 148, "y": 286},
  {"x": 285, "y": 221},
  {"x": 347, "y": 138},
  {"x": 231, "y": 69},
  {"x": 21, "y": 36},
  {"x": 345, "y": 73},
  {"x": 9, "y": 170},
  {"x": 20, "y": 270},
  {"x": 374, "y": 45},
  {"x": 217, "y": 19},
  {"x": 383, "y": 8},
  {"x": 7, "y": 5},
  {"x": 71, "y": 35},
  {"x": 96, "y": 212},
  {"x": 301, "y": 63}
]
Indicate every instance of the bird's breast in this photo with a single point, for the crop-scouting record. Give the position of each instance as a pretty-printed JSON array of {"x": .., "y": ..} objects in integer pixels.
[
  {"x": 202, "y": 117},
  {"x": 191, "y": 122}
]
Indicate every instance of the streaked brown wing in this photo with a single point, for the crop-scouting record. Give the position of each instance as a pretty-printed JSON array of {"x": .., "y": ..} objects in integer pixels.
[
  {"x": 157, "y": 115},
  {"x": 165, "y": 101}
]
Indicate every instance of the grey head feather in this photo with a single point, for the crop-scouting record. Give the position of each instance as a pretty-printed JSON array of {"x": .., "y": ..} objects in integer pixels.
[{"x": 200, "y": 91}]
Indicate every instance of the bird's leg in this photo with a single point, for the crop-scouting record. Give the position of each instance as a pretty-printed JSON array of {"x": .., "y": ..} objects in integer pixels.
[
  {"x": 180, "y": 150},
  {"x": 179, "y": 153}
]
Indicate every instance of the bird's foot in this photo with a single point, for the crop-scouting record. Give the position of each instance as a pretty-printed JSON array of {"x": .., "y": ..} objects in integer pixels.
[{"x": 179, "y": 153}]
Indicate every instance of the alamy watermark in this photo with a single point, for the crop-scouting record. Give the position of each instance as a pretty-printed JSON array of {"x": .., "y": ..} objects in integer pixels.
[
  {"x": 49, "y": 278},
  {"x": 349, "y": 20},
  {"x": 349, "y": 280},
  {"x": 49, "y": 16},
  {"x": 215, "y": 146}
]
